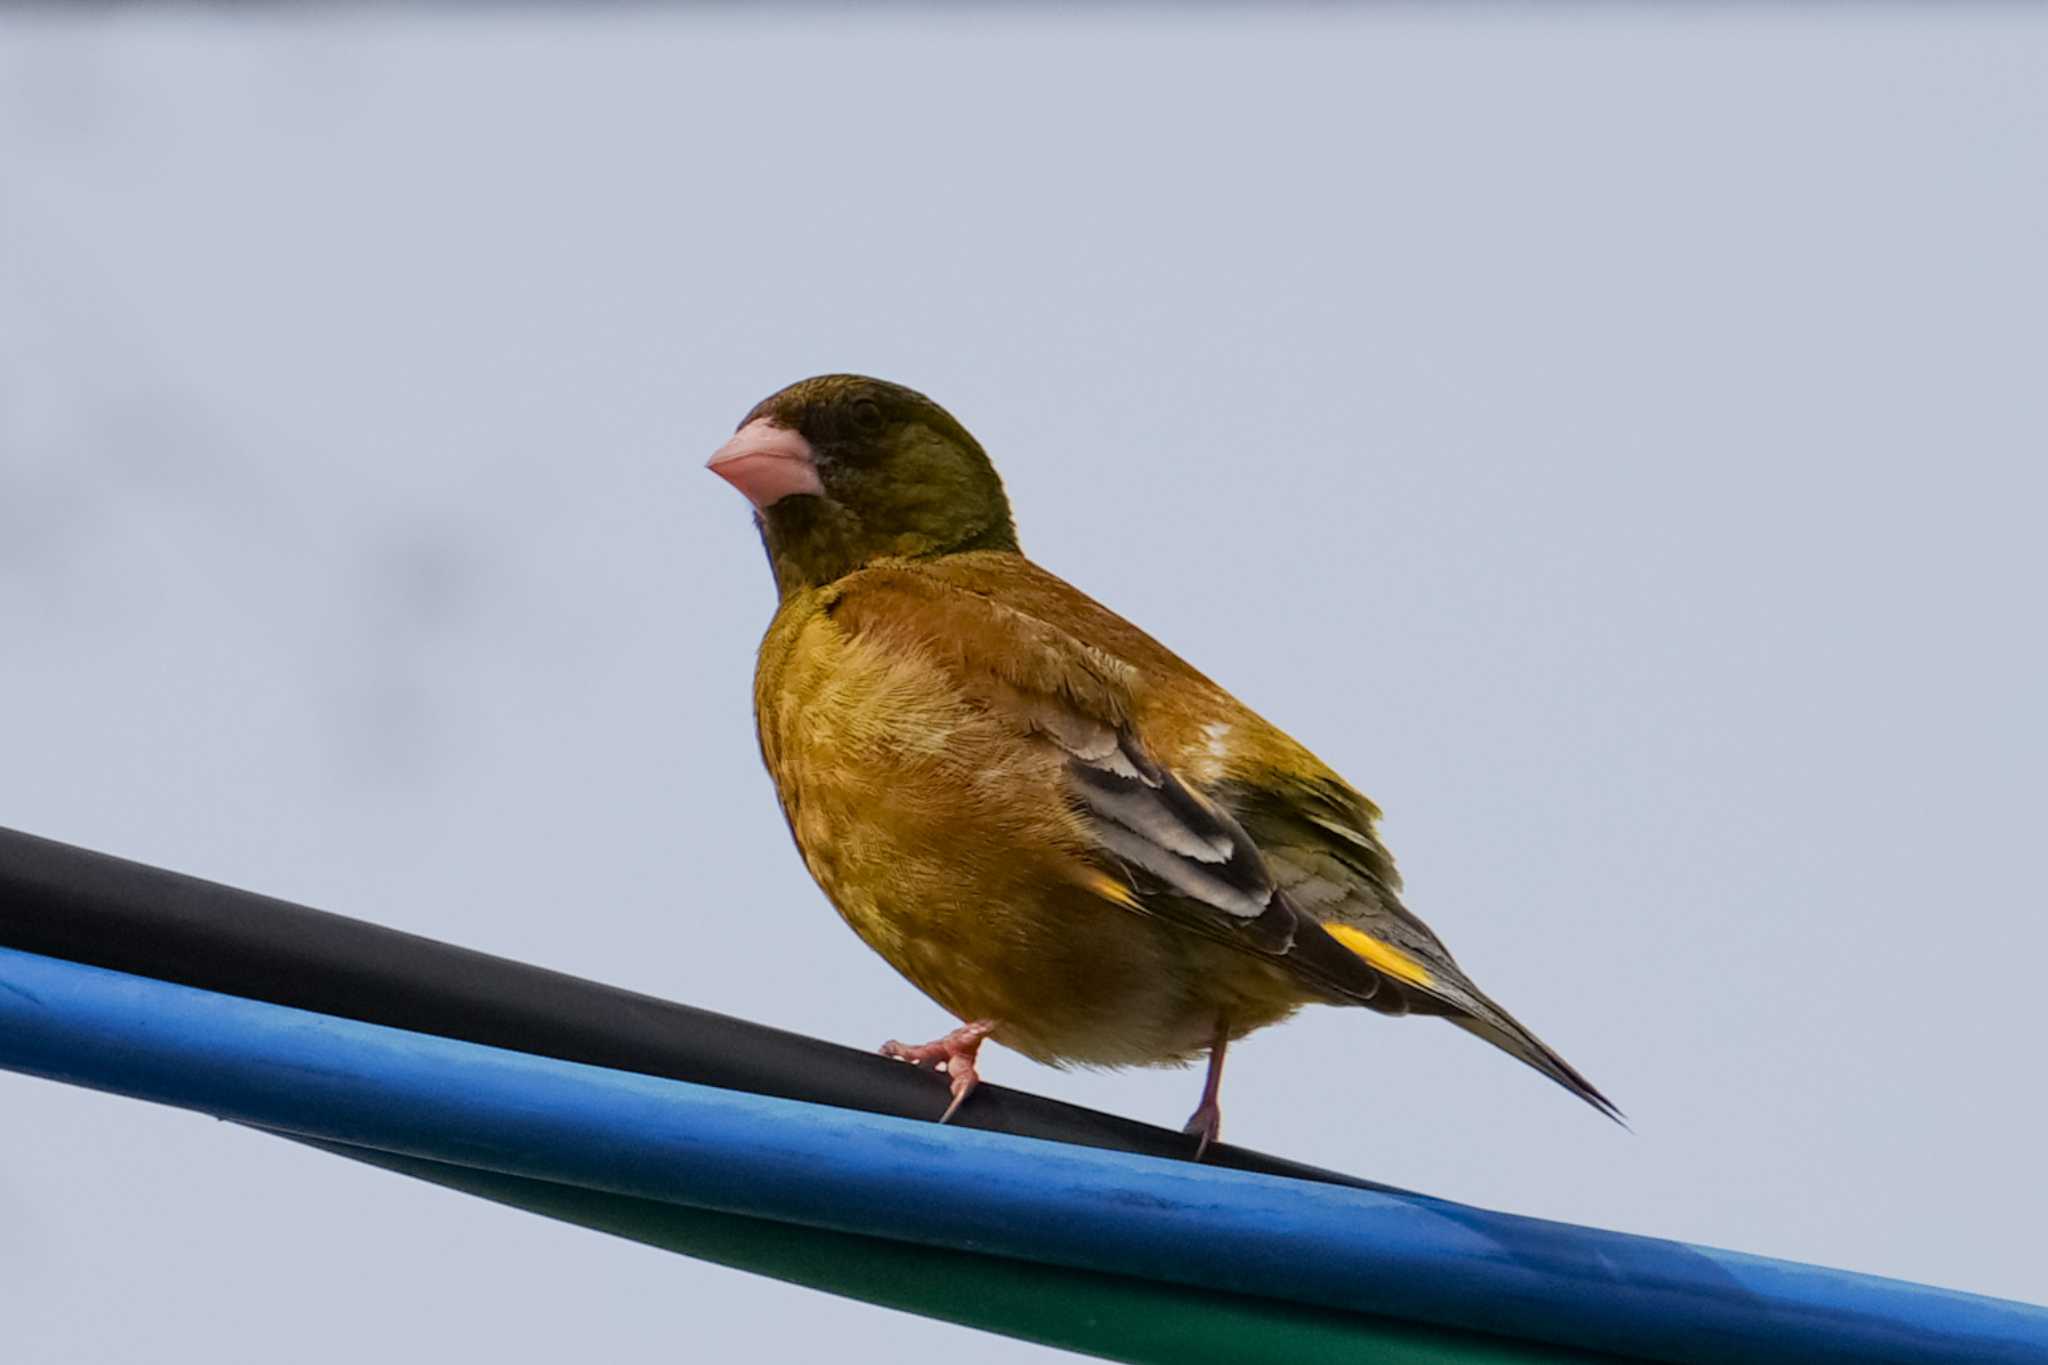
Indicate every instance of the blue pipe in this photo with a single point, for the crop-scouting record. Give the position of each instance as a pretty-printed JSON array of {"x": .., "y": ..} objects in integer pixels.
[{"x": 1406, "y": 1257}]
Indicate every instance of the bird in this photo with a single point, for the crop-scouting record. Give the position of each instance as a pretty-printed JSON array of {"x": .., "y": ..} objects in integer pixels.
[{"x": 1056, "y": 828}]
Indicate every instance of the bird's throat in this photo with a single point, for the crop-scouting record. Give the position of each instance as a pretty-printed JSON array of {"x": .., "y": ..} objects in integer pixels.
[{"x": 812, "y": 541}]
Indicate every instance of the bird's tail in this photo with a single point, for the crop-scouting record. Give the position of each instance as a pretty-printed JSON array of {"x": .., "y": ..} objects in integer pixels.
[{"x": 1500, "y": 1028}]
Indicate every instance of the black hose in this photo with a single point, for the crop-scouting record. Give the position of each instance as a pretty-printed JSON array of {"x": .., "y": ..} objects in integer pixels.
[{"x": 68, "y": 902}]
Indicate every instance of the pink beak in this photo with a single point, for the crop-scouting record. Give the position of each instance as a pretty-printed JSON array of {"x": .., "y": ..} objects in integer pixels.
[{"x": 767, "y": 463}]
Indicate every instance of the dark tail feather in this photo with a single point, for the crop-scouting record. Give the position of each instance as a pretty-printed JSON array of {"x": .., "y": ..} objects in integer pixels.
[{"x": 1499, "y": 1027}]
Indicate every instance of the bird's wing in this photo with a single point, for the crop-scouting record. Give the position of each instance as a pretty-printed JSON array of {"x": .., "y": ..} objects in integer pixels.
[
  {"x": 1152, "y": 840},
  {"x": 1185, "y": 855}
]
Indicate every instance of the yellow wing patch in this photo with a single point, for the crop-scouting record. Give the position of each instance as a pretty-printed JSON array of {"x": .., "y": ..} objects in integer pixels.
[
  {"x": 1111, "y": 889},
  {"x": 1384, "y": 958},
  {"x": 1381, "y": 957}
]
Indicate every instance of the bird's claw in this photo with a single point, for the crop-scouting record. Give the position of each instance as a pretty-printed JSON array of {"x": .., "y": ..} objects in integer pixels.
[
  {"x": 953, "y": 1054},
  {"x": 1207, "y": 1123}
]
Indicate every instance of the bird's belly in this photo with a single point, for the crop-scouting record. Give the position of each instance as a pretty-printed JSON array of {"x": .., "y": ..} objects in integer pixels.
[{"x": 1071, "y": 979}]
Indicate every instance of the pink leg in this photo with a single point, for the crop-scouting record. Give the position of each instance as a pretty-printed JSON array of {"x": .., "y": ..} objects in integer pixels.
[
  {"x": 1207, "y": 1120},
  {"x": 953, "y": 1054}
]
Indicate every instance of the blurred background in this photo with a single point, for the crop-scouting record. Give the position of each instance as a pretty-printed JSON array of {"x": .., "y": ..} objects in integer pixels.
[{"x": 1613, "y": 437}]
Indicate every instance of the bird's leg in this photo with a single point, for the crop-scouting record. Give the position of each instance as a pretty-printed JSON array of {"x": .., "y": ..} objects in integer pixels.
[
  {"x": 953, "y": 1054},
  {"x": 1207, "y": 1120}
]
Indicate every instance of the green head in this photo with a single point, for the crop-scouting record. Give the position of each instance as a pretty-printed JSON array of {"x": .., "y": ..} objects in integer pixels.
[{"x": 844, "y": 470}]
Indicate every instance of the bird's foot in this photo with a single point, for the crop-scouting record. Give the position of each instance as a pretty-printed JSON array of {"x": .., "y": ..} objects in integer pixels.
[
  {"x": 953, "y": 1054},
  {"x": 1207, "y": 1123},
  {"x": 1207, "y": 1120}
]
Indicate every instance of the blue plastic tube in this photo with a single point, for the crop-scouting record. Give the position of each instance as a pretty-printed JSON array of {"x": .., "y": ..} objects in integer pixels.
[{"x": 1404, "y": 1257}]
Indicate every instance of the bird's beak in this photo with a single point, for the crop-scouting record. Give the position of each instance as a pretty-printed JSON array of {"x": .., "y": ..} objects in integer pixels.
[{"x": 767, "y": 463}]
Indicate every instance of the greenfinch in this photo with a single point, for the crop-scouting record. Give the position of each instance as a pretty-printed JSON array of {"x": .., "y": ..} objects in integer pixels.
[{"x": 1051, "y": 824}]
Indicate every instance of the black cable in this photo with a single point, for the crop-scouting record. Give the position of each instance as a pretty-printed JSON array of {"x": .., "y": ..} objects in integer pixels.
[{"x": 89, "y": 907}]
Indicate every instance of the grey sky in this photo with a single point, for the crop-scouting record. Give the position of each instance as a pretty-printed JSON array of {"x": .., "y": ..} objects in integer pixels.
[{"x": 1613, "y": 439}]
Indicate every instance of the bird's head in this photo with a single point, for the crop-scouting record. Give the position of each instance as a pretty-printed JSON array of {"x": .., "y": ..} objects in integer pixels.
[{"x": 844, "y": 470}]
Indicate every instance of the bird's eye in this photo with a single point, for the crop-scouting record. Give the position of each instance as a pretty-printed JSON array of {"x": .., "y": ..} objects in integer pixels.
[{"x": 867, "y": 416}]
